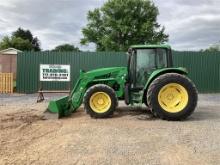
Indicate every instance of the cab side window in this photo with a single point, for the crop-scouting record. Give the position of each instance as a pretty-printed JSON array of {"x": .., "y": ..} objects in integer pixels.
[{"x": 161, "y": 58}]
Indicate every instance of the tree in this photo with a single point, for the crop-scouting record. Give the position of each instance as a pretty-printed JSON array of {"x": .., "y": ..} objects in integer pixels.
[
  {"x": 27, "y": 35},
  {"x": 213, "y": 48},
  {"x": 121, "y": 23},
  {"x": 21, "y": 39},
  {"x": 24, "y": 34},
  {"x": 65, "y": 48},
  {"x": 15, "y": 42}
]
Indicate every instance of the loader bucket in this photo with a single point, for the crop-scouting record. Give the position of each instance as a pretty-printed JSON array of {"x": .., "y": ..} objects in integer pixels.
[{"x": 58, "y": 108}]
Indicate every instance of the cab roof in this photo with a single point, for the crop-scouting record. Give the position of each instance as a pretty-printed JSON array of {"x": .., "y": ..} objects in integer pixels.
[{"x": 151, "y": 46}]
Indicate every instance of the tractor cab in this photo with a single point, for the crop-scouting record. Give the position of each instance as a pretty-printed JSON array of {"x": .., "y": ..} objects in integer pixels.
[{"x": 143, "y": 60}]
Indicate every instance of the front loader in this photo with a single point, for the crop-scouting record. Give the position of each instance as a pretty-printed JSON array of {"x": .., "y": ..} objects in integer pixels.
[{"x": 149, "y": 79}]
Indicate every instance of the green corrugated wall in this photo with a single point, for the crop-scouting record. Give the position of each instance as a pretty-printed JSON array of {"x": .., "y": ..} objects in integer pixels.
[
  {"x": 28, "y": 66},
  {"x": 204, "y": 68}
]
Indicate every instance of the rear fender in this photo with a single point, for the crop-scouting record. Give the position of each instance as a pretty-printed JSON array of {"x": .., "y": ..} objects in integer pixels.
[{"x": 159, "y": 72}]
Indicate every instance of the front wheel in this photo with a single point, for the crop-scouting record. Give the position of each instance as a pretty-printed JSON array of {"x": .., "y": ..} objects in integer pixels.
[
  {"x": 172, "y": 96},
  {"x": 100, "y": 101}
]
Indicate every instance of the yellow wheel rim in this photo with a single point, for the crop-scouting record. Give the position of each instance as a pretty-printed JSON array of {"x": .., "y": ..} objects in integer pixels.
[
  {"x": 100, "y": 102},
  {"x": 173, "y": 97}
]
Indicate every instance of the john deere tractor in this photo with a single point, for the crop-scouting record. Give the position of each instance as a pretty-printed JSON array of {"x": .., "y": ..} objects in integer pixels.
[{"x": 149, "y": 79}]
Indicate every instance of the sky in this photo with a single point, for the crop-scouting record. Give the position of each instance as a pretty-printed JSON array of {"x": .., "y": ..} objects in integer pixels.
[{"x": 191, "y": 24}]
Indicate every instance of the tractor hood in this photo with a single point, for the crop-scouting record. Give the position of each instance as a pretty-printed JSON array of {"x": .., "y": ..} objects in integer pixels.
[{"x": 104, "y": 71}]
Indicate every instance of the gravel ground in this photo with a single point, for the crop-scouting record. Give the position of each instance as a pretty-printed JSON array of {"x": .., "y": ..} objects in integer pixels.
[{"x": 132, "y": 136}]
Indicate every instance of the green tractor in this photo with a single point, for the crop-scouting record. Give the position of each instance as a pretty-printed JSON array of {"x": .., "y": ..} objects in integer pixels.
[{"x": 149, "y": 79}]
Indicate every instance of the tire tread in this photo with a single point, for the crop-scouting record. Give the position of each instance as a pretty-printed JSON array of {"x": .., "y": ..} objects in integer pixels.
[{"x": 158, "y": 81}]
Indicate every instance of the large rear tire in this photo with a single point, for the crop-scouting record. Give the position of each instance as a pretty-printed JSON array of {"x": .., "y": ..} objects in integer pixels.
[
  {"x": 172, "y": 96},
  {"x": 100, "y": 101}
]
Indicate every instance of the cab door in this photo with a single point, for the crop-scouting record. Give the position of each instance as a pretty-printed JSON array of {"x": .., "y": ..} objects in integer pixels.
[{"x": 145, "y": 65}]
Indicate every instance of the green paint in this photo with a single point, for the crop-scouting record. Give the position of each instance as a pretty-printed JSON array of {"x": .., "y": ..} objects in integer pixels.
[
  {"x": 109, "y": 76},
  {"x": 199, "y": 64},
  {"x": 55, "y": 105},
  {"x": 159, "y": 72},
  {"x": 165, "y": 46}
]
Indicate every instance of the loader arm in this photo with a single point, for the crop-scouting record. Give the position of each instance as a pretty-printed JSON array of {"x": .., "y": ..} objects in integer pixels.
[{"x": 114, "y": 77}]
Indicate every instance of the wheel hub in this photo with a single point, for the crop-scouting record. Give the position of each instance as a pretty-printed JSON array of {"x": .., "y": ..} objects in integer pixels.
[
  {"x": 100, "y": 102},
  {"x": 170, "y": 96},
  {"x": 173, "y": 97}
]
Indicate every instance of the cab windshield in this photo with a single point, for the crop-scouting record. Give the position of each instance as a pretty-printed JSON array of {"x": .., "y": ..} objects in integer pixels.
[{"x": 148, "y": 60}]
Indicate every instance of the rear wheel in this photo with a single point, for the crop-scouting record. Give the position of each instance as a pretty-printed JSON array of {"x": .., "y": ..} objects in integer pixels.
[
  {"x": 172, "y": 96},
  {"x": 100, "y": 101}
]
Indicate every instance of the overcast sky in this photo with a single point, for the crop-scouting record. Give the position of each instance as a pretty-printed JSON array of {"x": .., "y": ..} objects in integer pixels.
[{"x": 191, "y": 24}]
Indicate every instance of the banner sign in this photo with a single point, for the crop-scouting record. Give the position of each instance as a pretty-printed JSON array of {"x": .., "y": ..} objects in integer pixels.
[{"x": 54, "y": 72}]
